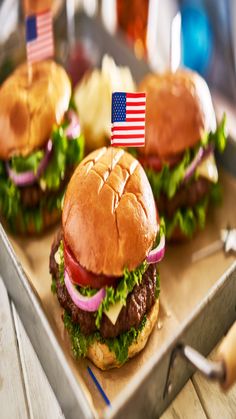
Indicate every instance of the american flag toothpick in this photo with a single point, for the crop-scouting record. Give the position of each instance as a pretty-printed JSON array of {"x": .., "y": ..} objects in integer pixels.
[
  {"x": 128, "y": 119},
  {"x": 39, "y": 36}
]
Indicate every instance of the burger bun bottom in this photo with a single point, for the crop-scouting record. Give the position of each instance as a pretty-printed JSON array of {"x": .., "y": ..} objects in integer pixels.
[
  {"x": 49, "y": 219},
  {"x": 104, "y": 359}
]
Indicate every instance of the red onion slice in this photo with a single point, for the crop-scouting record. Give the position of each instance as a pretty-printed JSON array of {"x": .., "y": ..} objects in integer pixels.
[
  {"x": 73, "y": 129},
  {"x": 29, "y": 177},
  {"x": 157, "y": 254},
  {"x": 84, "y": 303},
  {"x": 21, "y": 179},
  {"x": 201, "y": 155}
]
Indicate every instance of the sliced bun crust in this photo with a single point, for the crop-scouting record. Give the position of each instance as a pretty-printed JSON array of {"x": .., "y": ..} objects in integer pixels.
[
  {"x": 29, "y": 109},
  {"x": 104, "y": 359},
  {"x": 109, "y": 215},
  {"x": 179, "y": 111}
]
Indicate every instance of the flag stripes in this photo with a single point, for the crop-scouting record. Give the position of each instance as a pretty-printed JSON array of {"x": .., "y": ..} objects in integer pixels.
[{"x": 39, "y": 36}]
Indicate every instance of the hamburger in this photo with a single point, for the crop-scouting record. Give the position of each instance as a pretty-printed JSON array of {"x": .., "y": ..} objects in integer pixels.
[
  {"x": 104, "y": 261},
  {"x": 178, "y": 157},
  {"x": 40, "y": 144}
]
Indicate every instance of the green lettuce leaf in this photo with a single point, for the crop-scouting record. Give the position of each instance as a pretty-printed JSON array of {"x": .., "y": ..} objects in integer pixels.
[
  {"x": 217, "y": 138},
  {"x": 188, "y": 219},
  {"x": 26, "y": 216},
  {"x": 216, "y": 194},
  {"x": 9, "y": 197},
  {"x": 11, "y": 208},
  {"x": 80, "y": 342},
  {"x": 87, "y": 291},
  {"x": 168, "y": 180},
  {"x": 66, "y": 153},
  {"x": 119, "y": 345},
  {"x": 30, "y": 163},
  {"x": 113, "y": 295},
  {"x": 54, "y": 286},
  {"x": 119, "y": 294}
]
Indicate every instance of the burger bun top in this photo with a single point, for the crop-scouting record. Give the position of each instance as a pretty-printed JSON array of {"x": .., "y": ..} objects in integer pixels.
[
  {"x": 179, "y": 111},
  {"x": 109, "y": 215},
  {"x": 31, "y": 101}
]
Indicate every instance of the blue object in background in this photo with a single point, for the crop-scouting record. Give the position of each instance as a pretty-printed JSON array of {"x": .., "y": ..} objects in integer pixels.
[{"x": 197, "y": 38}]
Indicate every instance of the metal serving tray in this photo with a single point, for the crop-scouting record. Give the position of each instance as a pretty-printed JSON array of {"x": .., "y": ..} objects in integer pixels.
[{"x": 202, "y": 328}]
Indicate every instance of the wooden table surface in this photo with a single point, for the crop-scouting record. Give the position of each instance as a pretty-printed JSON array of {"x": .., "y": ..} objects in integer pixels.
[{"x": 26, "y": 393}]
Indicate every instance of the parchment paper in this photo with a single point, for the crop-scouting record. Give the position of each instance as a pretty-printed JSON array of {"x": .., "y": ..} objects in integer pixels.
[{"x": 183, "y": 285}]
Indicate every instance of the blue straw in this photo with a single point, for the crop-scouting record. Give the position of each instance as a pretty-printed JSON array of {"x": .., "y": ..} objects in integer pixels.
[{"x": 99, "y": 387}]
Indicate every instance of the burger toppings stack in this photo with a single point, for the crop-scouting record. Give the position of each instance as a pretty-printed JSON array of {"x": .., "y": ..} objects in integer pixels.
[
  {"x": 40, "y": 144},
  {"x": 104, "y": 261},
  {"x": 181, "y": 137}
]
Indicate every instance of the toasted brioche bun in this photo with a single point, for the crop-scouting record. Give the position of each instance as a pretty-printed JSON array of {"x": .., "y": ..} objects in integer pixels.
[
  {"x": 103, "y": 358},
  {"x": 109, "y": 215},
  {"x": 30, "y": 108},
  {"x": 179, "y": 111}
]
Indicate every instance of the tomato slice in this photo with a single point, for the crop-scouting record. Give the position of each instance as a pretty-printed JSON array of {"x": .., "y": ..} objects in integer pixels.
[
  {"x": 152, "y": 162},
  {"x": 81, "y": 276},
  {"x": 155, "y": 163}
]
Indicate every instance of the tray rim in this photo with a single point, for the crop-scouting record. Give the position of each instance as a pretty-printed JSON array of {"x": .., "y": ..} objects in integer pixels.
[
  {"x": 152, "y": 362},
  {"x": 133, "y": 385},
  {"x": 35, "y": 300}
]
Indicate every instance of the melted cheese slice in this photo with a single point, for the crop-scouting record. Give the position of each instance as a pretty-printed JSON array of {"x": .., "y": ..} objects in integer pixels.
[
  {"x": 57, "y": 257},
  {"x": 114, "y": 312},
  {"x": 208, "y": 169}
]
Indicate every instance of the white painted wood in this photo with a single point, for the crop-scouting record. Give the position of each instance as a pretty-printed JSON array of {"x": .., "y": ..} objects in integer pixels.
[
  {"x": 13, "y": 402},
  {"x": 215, "y": 402},
  {"x": 186, "y": 405},
  {"x": 26, "y": 393},
  {"x": 41, "y": 399}
]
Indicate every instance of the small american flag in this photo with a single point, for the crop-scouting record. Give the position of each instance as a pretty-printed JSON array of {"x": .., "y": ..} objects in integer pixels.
[
  {"x": 128, "y": 119},
  {"x": 39, "y": 36}
]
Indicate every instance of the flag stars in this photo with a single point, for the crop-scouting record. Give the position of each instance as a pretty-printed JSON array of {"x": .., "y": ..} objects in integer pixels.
[{"x": 118, "y": 107}]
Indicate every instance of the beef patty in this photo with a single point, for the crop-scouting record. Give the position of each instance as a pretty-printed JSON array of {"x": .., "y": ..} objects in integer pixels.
[
  {"x": 139, "y": 302},
  {"x": 31, "y": 196},
  {"x": 188, "y": 195}
]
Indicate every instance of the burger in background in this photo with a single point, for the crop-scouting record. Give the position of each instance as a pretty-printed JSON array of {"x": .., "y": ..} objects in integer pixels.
[
  {"x": 40, "y": 145},
  {"x": 181, "y": 137},
  {"x": 103, "y": 264},
  {"x": 93, "y": 100}
]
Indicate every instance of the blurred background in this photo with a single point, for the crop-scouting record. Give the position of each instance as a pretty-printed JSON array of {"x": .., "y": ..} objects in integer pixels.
[{"x": 199, "y": 34}]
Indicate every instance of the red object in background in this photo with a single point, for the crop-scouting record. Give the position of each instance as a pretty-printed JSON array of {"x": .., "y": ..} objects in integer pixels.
[
  {"x": 78, "y": 63},
  {"x": 132, "y": 16},
  {"x": 155, "y": 163},
  {"x": 81, "y": 276}
]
